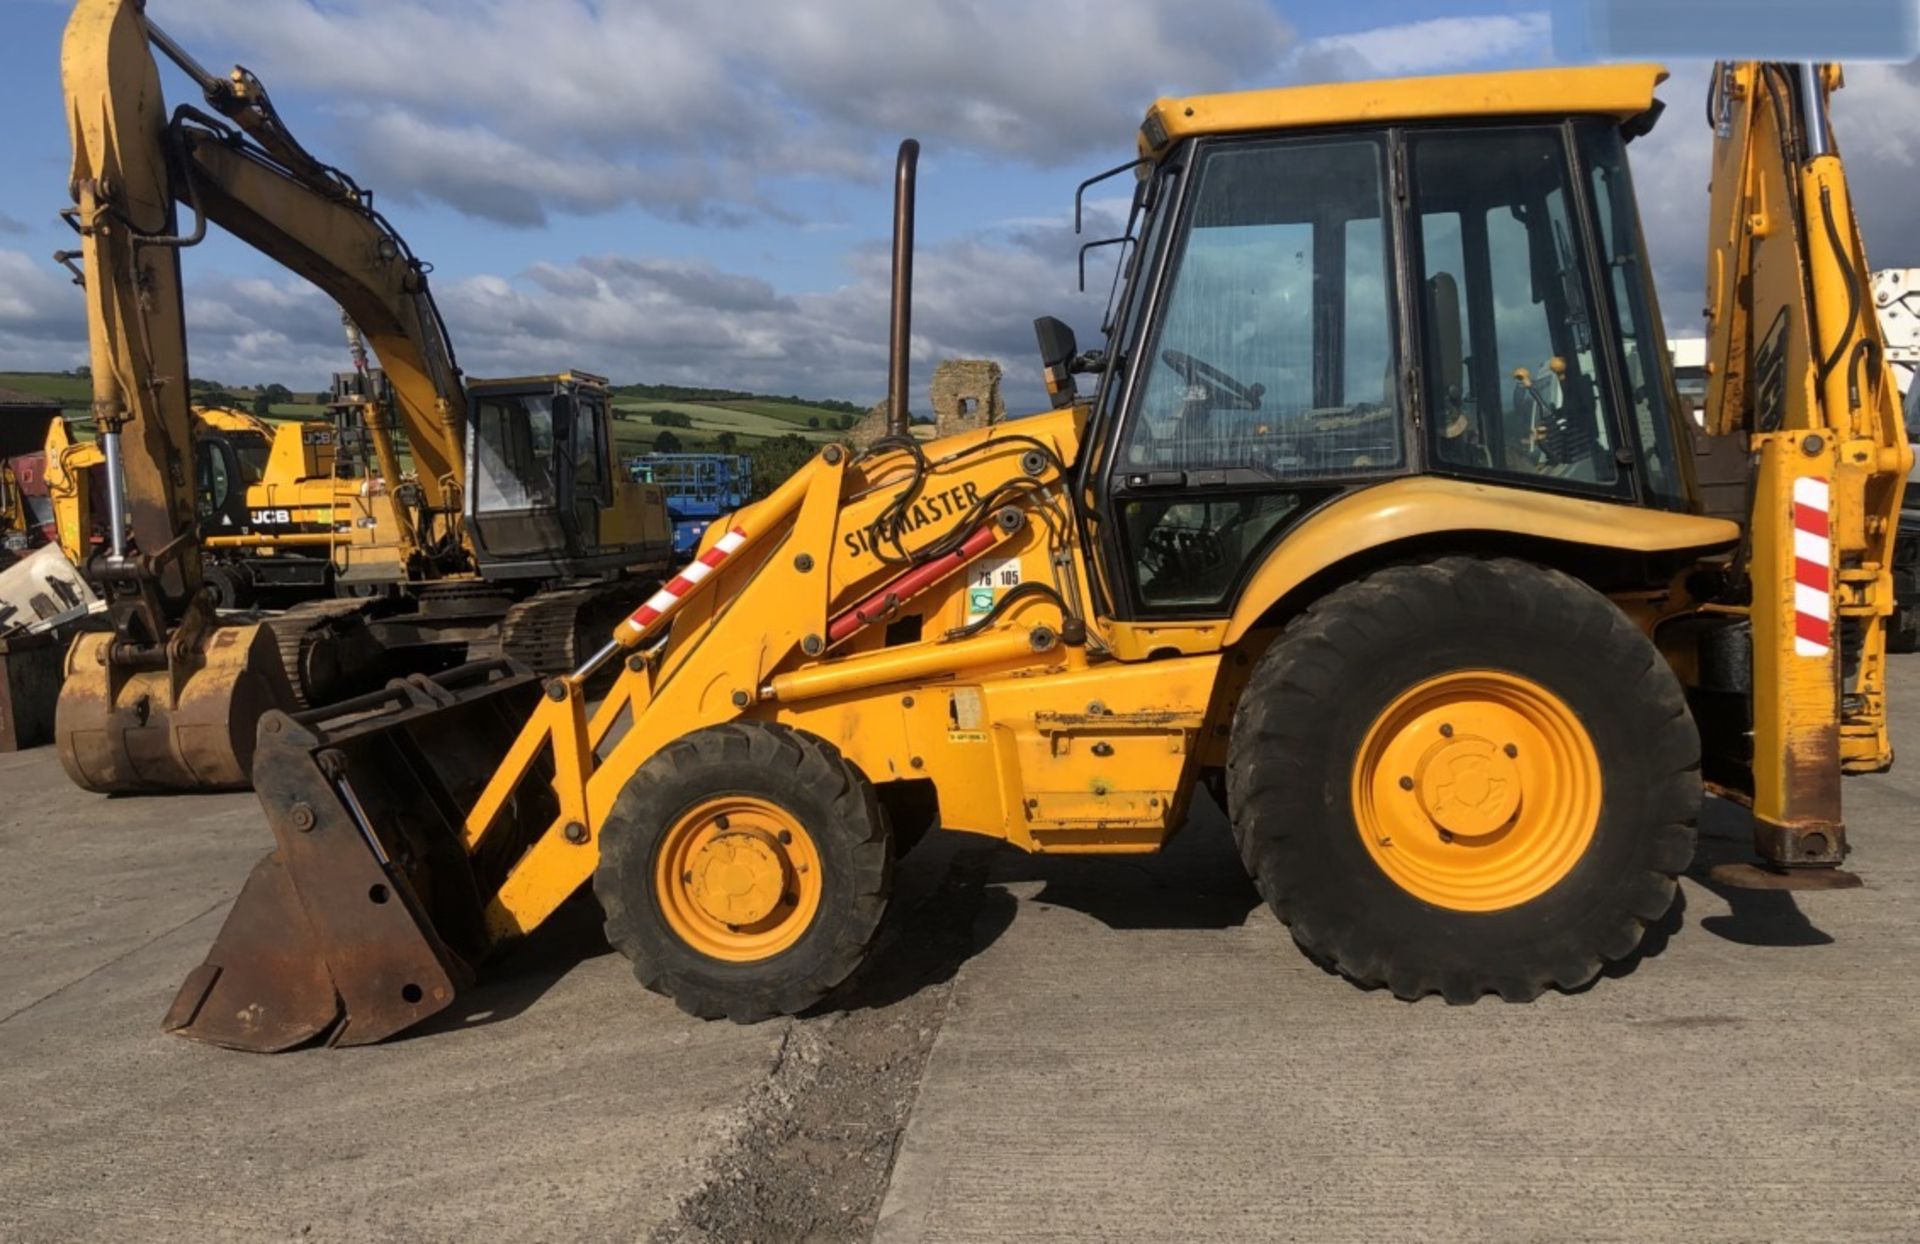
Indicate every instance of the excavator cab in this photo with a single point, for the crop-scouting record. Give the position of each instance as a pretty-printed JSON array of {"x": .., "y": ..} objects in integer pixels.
[
  {"x": 546, "y": 496},
  {"x": 539, "y": 451}
]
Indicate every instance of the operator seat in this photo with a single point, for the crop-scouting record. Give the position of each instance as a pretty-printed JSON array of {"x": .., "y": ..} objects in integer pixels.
[{"x": 1454, "y": 442}]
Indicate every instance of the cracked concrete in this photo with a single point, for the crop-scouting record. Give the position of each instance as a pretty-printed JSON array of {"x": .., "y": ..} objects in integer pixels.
[{"x": 1043, "y": 1049}]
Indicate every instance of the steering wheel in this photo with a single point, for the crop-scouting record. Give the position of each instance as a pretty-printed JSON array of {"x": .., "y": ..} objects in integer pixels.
[{"x": 1223, "y": 391}]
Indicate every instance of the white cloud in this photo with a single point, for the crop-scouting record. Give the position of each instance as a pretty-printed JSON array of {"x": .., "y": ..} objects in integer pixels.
[
  {"x": 1440, "y": 44},
  {"x": 42, "y": 320},
  {"x": 1872, "y": 121},
  {"x": 629, "y": 317},
  {"x": 508, "y": 108}
]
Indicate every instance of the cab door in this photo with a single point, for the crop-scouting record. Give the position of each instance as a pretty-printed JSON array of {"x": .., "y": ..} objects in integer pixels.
[
  {"x": 220, "y": 488},
  {"x": 1267, "y": 378},
  {"x": 588, "y": 466}
]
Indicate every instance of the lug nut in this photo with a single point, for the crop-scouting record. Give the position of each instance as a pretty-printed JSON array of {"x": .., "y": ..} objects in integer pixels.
[
  {"x": 1406, "y": 783},
  {"x": 1446, "y": 731},
  {"x": 1511, "y": 751},
  {"x": 786, "y": 836}
]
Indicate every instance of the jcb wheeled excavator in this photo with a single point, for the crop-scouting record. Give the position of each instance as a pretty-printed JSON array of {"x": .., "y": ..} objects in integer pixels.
[
  {"x": 1377, "y": 521},
  {"x": 517, "y": 530}
]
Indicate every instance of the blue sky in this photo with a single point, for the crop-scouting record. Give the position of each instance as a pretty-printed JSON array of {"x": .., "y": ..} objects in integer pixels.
[{"x": 698, "y": 193}]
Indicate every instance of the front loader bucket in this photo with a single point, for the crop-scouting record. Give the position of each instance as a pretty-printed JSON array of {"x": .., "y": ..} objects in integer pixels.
[
  {"x": 367, "y": 917},
  {"x": 136, "y": 731}
]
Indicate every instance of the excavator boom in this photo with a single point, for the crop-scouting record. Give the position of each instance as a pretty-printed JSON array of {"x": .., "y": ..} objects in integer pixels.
[
  {"x": 548, "y": 539},
  {"x": 169, "y": 698}
]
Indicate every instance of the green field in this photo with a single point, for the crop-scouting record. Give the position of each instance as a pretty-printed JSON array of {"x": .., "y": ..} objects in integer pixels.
[
  {"x": 709, "y": 420},
  {"x": 70, "y": 391},
  {"x": 786, "y": 412}
]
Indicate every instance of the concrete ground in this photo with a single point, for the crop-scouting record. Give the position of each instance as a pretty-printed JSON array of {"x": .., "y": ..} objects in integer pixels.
[{"x": 1045, "y": 1049}]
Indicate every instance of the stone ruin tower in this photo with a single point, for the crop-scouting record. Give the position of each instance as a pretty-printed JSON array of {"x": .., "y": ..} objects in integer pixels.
[{"x": 965, "y": 395}]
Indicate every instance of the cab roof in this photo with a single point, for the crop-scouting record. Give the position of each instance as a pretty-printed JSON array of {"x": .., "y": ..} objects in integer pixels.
[{"x": 1619, "y": 91}]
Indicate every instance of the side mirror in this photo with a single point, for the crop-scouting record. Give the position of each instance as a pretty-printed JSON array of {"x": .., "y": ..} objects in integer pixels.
[{"x": 1057, "y": 350}]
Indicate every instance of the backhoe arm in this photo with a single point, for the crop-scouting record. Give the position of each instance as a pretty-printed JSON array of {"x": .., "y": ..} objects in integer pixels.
[{"x": 1796, "y": 363}]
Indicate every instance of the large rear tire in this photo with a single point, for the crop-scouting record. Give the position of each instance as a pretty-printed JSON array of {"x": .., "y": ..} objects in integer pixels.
[
  {"x": 744, "y": 871},
  {"x": 1464, "y": 777}
]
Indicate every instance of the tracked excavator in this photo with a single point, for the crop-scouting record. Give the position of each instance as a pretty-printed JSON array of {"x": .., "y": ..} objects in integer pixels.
[
  {"x": 1377, "y": 523},
  {"x": 514, "y": 532}
]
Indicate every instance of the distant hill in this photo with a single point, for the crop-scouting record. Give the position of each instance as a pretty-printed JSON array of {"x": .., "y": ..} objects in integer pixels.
[
  {"x": 708, "y": 418},
  {"x": 730, "y": 397},
  {"x": 71, "y": 391}
]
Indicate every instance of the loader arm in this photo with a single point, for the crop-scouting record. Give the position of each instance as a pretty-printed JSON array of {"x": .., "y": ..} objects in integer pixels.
[{"x": 1796, "y": 364}]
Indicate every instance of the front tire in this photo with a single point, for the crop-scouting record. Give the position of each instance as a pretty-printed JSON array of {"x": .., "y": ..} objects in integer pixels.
[
  {"x": 744, "y": 871},
  {"x": 1463, "y": 777}
]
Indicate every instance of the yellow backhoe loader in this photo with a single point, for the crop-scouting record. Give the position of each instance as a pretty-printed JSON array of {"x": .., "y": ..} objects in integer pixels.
[
  {"x": 515, "y": 533},
  {"x": 1379, "y": 521}
]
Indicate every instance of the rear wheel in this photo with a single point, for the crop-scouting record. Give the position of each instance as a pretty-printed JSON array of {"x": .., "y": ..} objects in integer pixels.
[
  {"x": 1465, "y": 777},
  {"x": 744, "y": 871}
]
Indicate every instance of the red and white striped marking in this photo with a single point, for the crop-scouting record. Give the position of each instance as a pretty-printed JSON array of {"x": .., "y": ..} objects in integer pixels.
[
  {"x": 667, "y": 597},
  {"x": 1812, "y": 568}
]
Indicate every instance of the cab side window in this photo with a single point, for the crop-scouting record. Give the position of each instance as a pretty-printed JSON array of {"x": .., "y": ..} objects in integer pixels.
[
  {"x": 1275, "y": 349},
  {"x": 1514, "y": 381}
]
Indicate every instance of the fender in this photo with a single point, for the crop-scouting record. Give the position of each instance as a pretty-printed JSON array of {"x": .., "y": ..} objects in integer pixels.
[{"x": 1417, "y": 506}]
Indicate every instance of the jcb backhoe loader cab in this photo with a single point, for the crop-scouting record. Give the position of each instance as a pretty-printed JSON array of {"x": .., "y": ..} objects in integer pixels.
[
  {"x": 1374, "y": 522},
  {"x": 547, "y": 498},
  {"x": 230, "y": 455}
]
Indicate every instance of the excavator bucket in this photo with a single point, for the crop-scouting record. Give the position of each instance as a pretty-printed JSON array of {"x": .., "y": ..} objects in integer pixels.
[
  {"x": 185, "y": 726},
  {"x": 367, "y": 917}
]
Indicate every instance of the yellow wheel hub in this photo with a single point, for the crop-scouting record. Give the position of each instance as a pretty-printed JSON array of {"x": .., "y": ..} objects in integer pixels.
[
  {"x": 738, "y": 878},
  {"x": 1477, "y": 790}
]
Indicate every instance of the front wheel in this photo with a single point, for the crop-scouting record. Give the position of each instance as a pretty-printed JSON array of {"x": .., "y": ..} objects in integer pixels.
[
  {"x": 1463, "y": 777},
  {"x": 744, "y": 870}
]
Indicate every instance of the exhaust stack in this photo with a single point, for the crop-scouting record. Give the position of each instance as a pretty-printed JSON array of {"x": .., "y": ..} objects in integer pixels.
[{"x": 900, "y": 326}]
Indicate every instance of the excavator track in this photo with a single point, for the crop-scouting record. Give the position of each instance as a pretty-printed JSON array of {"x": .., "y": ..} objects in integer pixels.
[
  {"x": 553, "y": 632},
  {"x": 300, "y": 632}
]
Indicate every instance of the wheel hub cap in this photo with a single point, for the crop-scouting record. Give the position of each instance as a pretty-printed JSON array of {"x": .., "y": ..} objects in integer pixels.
[
  {"x": 738, "y": 878},
  {"x": 1469, "y": 787}
]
